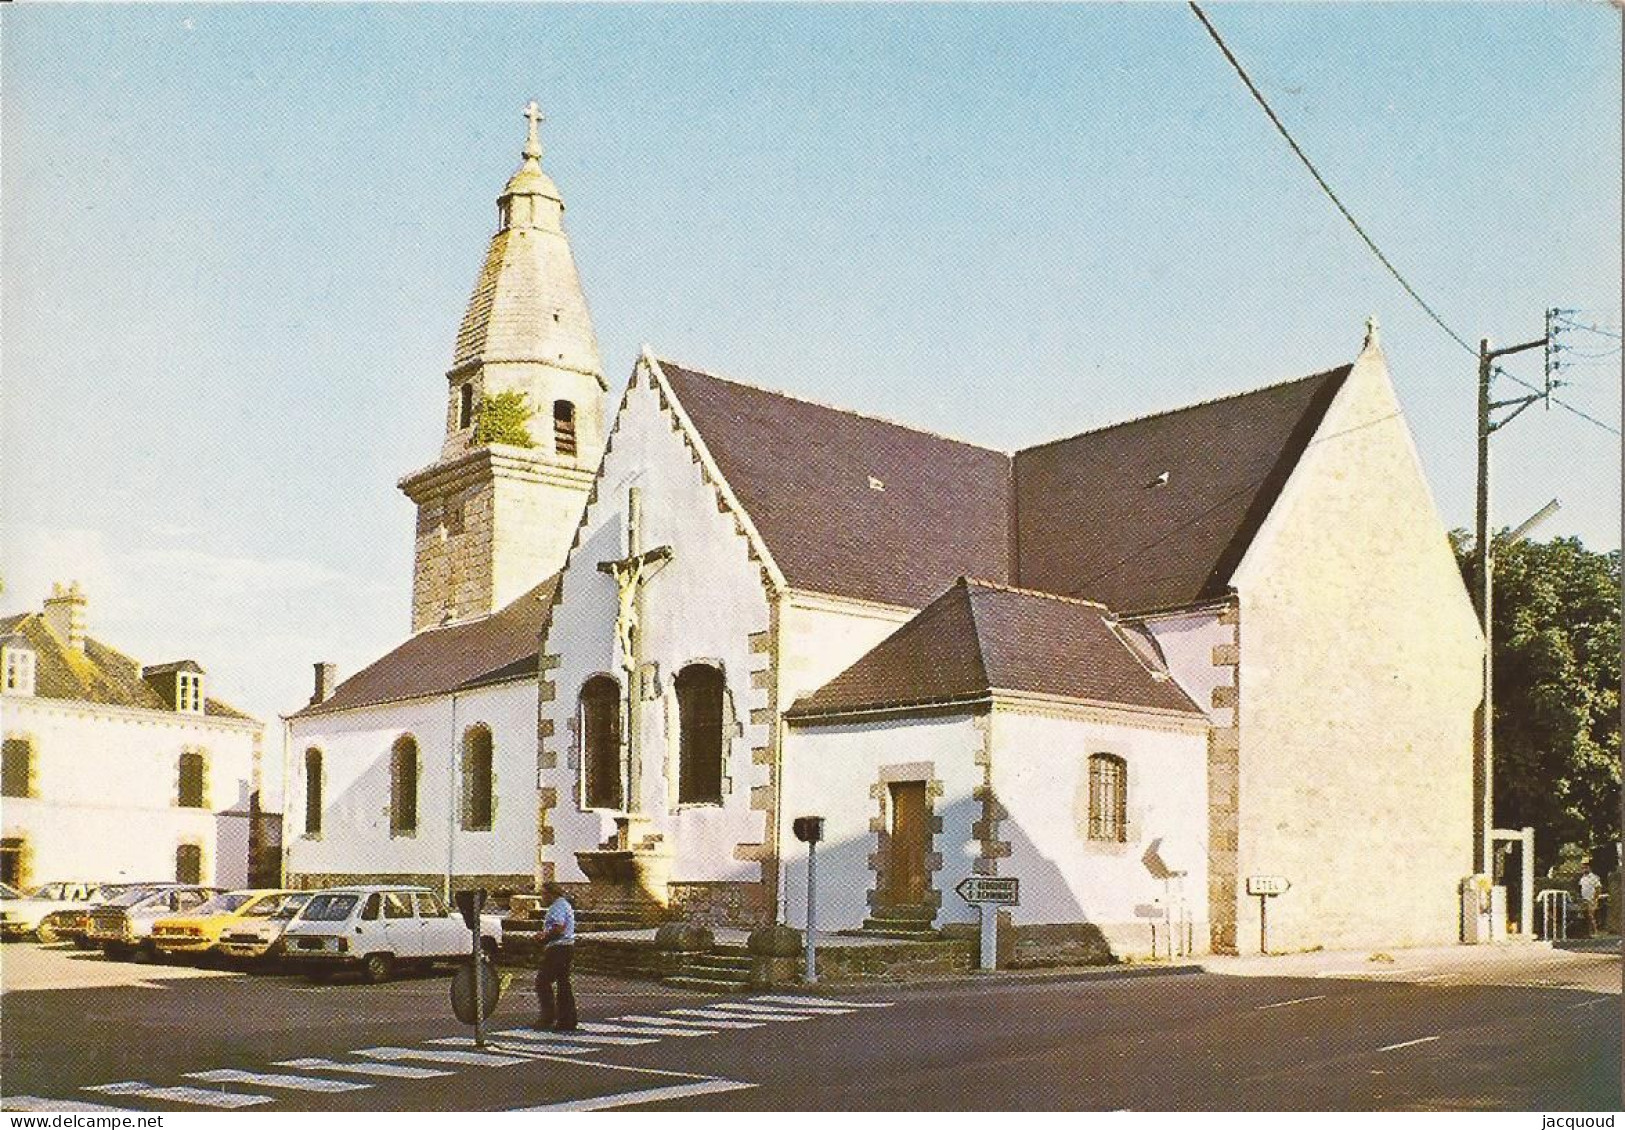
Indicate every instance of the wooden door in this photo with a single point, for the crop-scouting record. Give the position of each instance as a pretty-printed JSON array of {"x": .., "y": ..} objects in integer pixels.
[{"x": 910, "y": 837}]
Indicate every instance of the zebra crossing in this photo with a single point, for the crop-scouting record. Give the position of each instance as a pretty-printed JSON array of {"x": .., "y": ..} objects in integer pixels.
[{"x": 232, "y": 1088}]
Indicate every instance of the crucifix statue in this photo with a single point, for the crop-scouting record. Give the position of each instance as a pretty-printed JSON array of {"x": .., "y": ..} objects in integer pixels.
[{"x": 631, "y": 573}]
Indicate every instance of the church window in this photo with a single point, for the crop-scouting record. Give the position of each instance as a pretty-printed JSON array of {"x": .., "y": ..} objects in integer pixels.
[
  {"x": 564, "y": 427},
  {"x": 465, "y": 405},
  {"x": 189, "y": 692},
  {"x": 192, "y": 770},
  {"x": 478, "y": 784},
  {"x": 699, "y": 748},
  {"x": 601, "y": 742},
  {"x": 19, "y": 674},
  {"x": 189, "y": 863},
  {"x": 403, "y": 787},
  {"x": 313, "y": 792},
  {"x": 1108, "y": 798},
  {"x": 17, "y": 773}
]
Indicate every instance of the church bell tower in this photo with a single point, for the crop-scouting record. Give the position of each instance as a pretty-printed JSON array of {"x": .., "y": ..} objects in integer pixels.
[{"x": 524, "y": 416}]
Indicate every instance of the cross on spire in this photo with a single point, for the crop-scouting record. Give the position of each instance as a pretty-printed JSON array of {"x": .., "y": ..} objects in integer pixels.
[{"x": 533, "y": 143}]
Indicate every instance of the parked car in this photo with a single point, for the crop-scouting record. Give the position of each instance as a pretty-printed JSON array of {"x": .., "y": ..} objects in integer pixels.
[
  {"x": 375, "y": 928},
  {"x": 197, "y": 932},
  {"x": 74, "y": 923},
  {"x": 123, "y": 927},
  {"x": 24, "y": 916},
  {"x": 260, "y": 938}
]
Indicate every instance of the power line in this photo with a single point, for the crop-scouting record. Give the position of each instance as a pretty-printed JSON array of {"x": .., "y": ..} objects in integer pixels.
[
  {"x": 1331, "y": 195},
  {"x": 1573, "y": 325}
]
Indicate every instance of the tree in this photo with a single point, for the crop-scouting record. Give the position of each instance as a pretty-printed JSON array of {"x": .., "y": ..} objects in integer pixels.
[
  {"x": 504, "y": 417},
  {"x": 1557, "y": 682}
]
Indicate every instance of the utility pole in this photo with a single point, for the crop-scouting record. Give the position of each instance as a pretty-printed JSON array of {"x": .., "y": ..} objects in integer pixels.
[{"x": 1484, "y": 769}]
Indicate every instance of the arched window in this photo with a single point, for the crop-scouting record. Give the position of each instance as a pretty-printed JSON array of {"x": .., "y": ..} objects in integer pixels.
[
  {"x": 699, "y": 750},
  {"x": 1108, "y": 798},
  {"x": 564, "y": 427},
  {"x": 403, "y": 786},
  {"x": 601, "y": 742},
  {"x": 465, "y": 405},
  {"x": 189, "y": 864},
  {"x": 17, "y": 772},
  {"x": 478, "y": 786},
  {"x": 190, "y": 790},
  {"x": 313, "y": 792}
]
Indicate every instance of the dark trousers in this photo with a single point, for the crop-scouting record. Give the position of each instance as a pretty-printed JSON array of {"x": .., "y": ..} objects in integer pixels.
[{"x": 555, "y": 999}]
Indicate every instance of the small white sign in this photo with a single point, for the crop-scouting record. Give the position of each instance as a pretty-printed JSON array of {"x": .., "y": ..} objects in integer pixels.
[
  {"x": 1268, "y": 885},
  {"x": 986, "y": 889}
]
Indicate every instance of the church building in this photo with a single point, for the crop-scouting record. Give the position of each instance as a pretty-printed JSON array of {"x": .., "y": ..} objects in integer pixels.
[{"x": 1131, "y": 668}]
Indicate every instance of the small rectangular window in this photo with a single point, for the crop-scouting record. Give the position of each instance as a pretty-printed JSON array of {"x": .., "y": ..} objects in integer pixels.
[
  {"x": 189, "y": 692},
  {"x": 16, "y": 777},
  {"x": 191, "y": 789},
  {"x": 19, "y": 673}
]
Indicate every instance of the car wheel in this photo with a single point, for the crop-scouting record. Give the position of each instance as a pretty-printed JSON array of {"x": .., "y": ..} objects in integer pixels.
[
  {"x": 48, "y": 935},
  {"x": 320, "y": 974},
  {"x": 117, "y": 951},
  {"x": 83, "y": 944},
  {"x": 376, "y": 968}
]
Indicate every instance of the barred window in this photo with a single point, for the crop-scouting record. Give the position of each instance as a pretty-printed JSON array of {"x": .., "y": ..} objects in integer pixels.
[
  {"x": 699, "y": 749},
  {"x": 564, "y": 427},
  {"x": 1108, "y": 798},
  {"x": 403, "y": 787},
  {"x": 478, "y": 784},
  {"x": 601, "y": 742}
]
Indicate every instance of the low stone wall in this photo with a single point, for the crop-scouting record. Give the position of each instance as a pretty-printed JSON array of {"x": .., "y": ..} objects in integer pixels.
[
  {"x": 729, "y": 903},
  {"x": 854, "y": 965},
  {"x": 499, "y": 885}
]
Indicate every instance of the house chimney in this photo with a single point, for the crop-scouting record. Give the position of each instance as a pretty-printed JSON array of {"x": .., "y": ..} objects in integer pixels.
[
  {"x": 65, "y": 615},
  {"x": 325, "y": 678}
]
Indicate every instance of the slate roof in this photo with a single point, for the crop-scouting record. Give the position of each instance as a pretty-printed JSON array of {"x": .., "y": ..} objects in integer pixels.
[
  {"x": 1095, "y": 519},
  {"x": 1078, "y": 517},
  {"x": 498, "y": 648},
  {"x": 99, "y": 674},
  {"x": 802, "y": 471},
  {"x": 978, "y": 638}
]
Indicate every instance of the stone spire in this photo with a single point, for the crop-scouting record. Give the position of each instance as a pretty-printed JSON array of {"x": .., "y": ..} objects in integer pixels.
[
  {"x": 497, "y": 510},
  {"x": 527, "y": 305}
]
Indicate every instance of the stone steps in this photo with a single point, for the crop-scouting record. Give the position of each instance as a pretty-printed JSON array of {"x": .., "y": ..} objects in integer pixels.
[{"x": 723, "y": 969}]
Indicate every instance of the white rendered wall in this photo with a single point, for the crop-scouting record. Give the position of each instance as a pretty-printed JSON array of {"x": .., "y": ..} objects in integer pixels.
[
  {"x": 703, "y": 605},
  {"x": 107, "y": 787},
  {"x": 831, "y": 771},
  {"x": 1359, "y": 679},
  {"x": 355, "y": 836},
  {"x": 1187, "y": 642},
  {"x": 1041, "y": 776},
  {"x": 819, "y": 637}
]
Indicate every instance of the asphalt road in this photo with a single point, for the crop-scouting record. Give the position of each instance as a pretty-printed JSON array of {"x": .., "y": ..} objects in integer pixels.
[{"x": 1527, "y": 1029}]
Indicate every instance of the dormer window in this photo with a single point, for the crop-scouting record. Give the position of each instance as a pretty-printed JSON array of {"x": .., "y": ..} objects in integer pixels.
[
  {"x": 19, "y": 670},
  {"x": 189, "y": 692},
  {"x": 564, "y": 427}
]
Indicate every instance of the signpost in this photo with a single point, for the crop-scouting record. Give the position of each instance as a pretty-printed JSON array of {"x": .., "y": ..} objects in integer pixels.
[
  {"x": 470, "y": 903},
  {"x": 809, "y": 830},
  {"x": 1266, "y": 887},
  {"x": 987, "y": 893}
]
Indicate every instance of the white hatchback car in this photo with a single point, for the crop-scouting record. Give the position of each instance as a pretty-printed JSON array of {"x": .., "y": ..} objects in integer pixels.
[
  {"x": 25, "y": 916},
  {"x": 375, "y": 928}
]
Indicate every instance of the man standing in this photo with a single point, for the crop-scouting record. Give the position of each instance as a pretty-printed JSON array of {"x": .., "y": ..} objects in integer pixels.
[
  {"x": 1590, "y": 888},
  {"x": 556, "y": 1000}
]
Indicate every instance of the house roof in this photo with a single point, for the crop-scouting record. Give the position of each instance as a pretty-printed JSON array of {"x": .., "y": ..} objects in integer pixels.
[
  {"x": 1148, "y": 514},
  {"x": 1157, "y": 512},
  {"x": 498, "y": 648},
  {"x": 979, "y": 638},
  {"x": 849, "y": 504},
  {"x": 99, "y": 674}
]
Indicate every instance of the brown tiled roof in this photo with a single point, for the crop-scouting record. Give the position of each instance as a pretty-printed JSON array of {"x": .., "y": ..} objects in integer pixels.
[
  {"x": 978, "y": 638},
  {"x": 1091, "y": 516},
  {"x": 1096, "y": 519},
  {"x": 803, "y": 471},
  {"x": 492, "y": 649},
  {"x": 99, "y": 674}
]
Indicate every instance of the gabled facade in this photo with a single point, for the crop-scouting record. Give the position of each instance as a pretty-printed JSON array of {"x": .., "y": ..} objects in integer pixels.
[{"x": 116, "y": 771}]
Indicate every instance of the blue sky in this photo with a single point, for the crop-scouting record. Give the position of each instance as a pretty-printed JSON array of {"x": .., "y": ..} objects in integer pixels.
[{"x": 237, "y": 242}]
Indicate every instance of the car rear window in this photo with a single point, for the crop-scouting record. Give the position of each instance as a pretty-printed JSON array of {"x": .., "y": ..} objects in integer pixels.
[
  {"x": 329, "y": 908},
  {"x": 291, "y": 906},
  {"x": 224, "y": 904}
]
